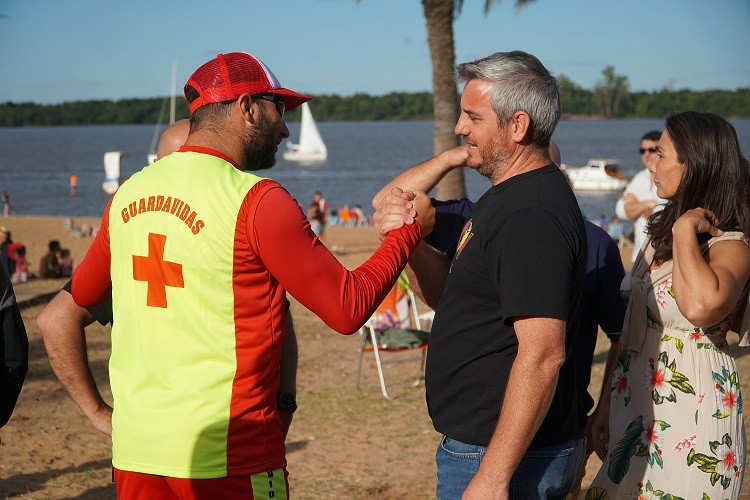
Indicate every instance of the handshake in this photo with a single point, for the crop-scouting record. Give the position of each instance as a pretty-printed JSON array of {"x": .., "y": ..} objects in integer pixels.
[{"x": 404, "y": 207}]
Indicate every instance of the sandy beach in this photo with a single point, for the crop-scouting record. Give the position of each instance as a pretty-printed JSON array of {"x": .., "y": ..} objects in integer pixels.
[
  {"x": 35, "y": 233},
  {"x": 343, "y": 443}
]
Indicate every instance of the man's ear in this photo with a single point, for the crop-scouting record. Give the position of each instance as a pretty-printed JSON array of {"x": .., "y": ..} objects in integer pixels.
[
  {"x": 520, "y": 124},
  {"x": 244, "y": 105}
]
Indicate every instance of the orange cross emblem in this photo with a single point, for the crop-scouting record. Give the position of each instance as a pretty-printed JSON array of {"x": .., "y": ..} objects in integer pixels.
[{"x": 158, "y": 272}]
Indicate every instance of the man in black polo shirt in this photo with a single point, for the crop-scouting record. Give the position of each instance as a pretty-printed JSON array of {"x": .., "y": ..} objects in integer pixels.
[{"x": 500, "y": 377}]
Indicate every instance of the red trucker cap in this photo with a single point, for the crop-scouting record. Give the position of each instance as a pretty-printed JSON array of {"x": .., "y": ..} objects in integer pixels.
[{"x": 227, "y": 76}]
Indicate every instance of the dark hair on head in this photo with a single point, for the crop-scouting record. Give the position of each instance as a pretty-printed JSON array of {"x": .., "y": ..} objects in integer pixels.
[
  {"x": 716, "y": 177},
  {"x": 53, "y": 245},
  {"x": 191, "y": 94},
  {"x": 207, "y": 115},
  {"x": 653, "y": 135}
]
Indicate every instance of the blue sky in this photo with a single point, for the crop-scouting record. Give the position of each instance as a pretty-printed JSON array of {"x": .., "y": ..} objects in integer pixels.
[{"x": 63, "y": 50}]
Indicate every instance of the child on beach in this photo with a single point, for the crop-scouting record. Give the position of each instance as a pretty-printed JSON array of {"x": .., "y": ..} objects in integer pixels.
[
  {"x": 21, "y": 272},
  {"x": 49, "y": 265},
  {"x": 66, "y": 263}
]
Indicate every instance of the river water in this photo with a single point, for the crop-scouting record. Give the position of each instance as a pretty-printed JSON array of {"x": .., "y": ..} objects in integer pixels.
[{"x": 35, "y": 163}]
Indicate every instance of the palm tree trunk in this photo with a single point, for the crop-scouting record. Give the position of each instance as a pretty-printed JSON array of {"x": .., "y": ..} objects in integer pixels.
[{"x": 439, "y": 17}]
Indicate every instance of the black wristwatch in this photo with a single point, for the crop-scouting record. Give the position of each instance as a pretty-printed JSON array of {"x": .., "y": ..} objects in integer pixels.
[{"x": 286, "y": 402}]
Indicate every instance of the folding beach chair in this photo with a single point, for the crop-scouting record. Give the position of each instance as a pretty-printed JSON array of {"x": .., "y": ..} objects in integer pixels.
[{"x": 398, "y": 332}]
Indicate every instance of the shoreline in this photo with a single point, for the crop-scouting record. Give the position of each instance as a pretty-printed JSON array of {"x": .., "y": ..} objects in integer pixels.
[{"x": 35, "y": 232}]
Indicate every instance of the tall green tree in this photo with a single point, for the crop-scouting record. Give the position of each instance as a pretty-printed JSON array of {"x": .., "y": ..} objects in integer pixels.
[
  {"x": 439, "y": 16},
  {"x": 575, "y": 99},
  {"x": 611, "y": 91}
]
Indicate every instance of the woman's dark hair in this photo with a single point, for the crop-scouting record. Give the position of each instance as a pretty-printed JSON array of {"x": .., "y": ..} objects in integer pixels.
[{"x": 716, "y": 177}]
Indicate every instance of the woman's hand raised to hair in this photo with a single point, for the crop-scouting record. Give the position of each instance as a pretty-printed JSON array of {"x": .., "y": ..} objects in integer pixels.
[{"x": 698, "y": 220}]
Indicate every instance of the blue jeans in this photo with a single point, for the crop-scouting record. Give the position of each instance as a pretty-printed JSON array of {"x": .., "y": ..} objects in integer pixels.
[{"x": 543, "y": 472}]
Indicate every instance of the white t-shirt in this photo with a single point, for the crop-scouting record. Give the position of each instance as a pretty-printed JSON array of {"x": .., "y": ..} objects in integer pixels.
[{"x": 644, "y": 189}]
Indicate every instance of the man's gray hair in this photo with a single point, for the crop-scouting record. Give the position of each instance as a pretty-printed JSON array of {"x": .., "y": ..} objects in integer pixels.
[{"x": 520, "y": 82}]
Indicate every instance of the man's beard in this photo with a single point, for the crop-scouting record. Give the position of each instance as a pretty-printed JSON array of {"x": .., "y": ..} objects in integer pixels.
[
  {"x": 494, "y": 159},
  {"x": 260, "y": 147}
]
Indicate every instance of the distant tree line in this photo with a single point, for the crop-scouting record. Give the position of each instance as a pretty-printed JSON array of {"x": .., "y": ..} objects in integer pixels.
[
  {"x": 610, "y": 98},
  {"x": 122, "y": 112},
  {"x": 393, "y": 106}
]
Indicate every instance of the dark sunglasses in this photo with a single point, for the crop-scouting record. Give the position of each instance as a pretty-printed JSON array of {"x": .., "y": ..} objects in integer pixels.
[
  {"x": 277, "y": 101},
  {"x": 650, "y": 150}
]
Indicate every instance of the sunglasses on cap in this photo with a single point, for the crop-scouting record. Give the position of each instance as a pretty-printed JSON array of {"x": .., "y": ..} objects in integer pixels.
[
  {"x": 277, "y": 101},
  {"x": 650, "y": 150}
]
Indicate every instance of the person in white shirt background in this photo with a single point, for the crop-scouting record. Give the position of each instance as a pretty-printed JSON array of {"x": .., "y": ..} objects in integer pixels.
[{"x": 639, "y": 200}]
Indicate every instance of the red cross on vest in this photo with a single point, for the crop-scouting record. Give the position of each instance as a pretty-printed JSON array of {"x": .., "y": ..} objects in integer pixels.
[{"x": 158, "y": 272}]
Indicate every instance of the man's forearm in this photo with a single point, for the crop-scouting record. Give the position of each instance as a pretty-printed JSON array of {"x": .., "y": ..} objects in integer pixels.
[
  {"x": 526, "y": 402},
  {"x": 424, "y": 176},
  {"x": 288, "y": 370},
  {"x": 289, "y": 355},
  {"x": 428, "y": 272},
  {"x": 62, "y": 325},
  {"x": 638, "y": 209},
  {"x": 527, "y": 398}
]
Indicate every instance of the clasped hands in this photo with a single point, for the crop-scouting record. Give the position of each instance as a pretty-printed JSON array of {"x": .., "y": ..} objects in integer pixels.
[{"x": 400, "y": 208}]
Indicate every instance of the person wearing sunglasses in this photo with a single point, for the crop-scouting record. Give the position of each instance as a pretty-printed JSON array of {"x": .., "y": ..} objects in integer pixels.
[
  {"x": 200, "y": 252},
  {"x": 671, "y": 425},
  {"x": 639, "y": 199},
  {"x": 62, "y": 325}
]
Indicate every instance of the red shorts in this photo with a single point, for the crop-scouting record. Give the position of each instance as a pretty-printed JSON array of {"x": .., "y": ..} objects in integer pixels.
[{"x": 263, "y": 485}]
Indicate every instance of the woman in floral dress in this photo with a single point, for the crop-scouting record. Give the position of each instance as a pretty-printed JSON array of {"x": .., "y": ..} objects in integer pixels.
[{"x": 671, "y": 426}]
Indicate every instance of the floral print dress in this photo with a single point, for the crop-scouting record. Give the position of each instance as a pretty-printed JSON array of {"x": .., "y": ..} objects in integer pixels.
[{"x": 675, "y": 426}]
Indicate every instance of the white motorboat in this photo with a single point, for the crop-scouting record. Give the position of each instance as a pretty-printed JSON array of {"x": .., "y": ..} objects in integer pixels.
[
  {"x": 311, "y": 147},
  {"x": 597, "y": 175}
]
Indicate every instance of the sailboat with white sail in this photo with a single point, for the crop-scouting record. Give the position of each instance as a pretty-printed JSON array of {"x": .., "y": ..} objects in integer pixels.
[
  {"x": 172, "y": 105},
  {"x": 112, "y": 171},
  {"x": 311, "y": 147},
  {"x": 112, "y": 158}
]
